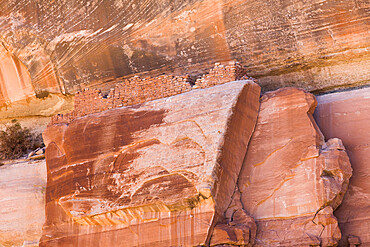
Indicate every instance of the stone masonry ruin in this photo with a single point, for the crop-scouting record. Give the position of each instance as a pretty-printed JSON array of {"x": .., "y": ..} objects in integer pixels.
[{"x": 137, "y": 90}]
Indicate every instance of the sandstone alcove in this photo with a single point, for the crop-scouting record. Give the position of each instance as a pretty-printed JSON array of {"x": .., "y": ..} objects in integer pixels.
[{"x": 15, "y": 80}]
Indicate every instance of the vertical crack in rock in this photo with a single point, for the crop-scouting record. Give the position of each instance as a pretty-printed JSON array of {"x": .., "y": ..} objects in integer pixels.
[
  {"x": 232, "y": 154},
  {"x": 236, "y": 227}
]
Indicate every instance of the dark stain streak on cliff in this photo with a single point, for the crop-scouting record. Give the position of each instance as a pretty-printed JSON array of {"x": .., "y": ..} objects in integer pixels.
[
  {"x": 95, "y": 128},
  {"x": 313, "y": 44}
]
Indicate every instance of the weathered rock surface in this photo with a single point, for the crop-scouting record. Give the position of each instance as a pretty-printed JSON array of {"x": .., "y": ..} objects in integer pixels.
[
  {"x": 347, "y": 115},
  {"x": 291, "y": 179},
  {"x": 35, "y": 107},
  {"x": 162, "y": 173},
  {"x": 317, "y": 45},
  {"x": 22, "y": 203},
  {"x": 15, "y": 81},
  {"x": 237, "y": 227}
]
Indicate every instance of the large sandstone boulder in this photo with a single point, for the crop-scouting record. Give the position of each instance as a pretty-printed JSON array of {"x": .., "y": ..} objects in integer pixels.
[
  {"x": 291, "y": 179},
  {"x": 161, "y": 174},
  {"x": 347, "y": 115},
  {"x": 22, "y": 203}
]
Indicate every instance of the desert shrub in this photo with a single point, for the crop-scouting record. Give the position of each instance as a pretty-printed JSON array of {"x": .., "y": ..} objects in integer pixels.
[
  {"x": 16, "y": 141},
  {"x": 42, "y": 94}
]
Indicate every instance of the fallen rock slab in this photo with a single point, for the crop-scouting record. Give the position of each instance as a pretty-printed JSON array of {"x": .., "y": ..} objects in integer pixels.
[
  {"x": 161, "y": 173},
  {"x": 291, "y": 179}
]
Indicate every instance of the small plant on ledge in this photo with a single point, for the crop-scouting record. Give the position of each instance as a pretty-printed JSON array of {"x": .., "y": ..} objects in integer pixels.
[
  {"x": 43, "y": 94},
  {"x": 16, "y": 141}
]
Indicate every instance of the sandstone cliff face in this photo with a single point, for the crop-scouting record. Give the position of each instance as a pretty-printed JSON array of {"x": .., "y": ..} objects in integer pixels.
[
  {"x": 15, "y": 81},
  {"x": 291, "y": 180},
  {"x": 167, "y": 172},
  {"x": 22, "y": 203},
  {"x": 157, "y": 174},
  {"x": 347, "y": 115},
  {"x": 317, "y": 45}
]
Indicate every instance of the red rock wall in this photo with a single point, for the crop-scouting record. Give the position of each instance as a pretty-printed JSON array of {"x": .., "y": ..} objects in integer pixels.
[
  {"x": 347, "y": 115},
  {"x": 317, "y": 45},
  {"x": 291, "y": 180},
  {"x": 132, "y": 169},
  {"x": 22, "y": 202},
  {"x": 15, "y": 81}
]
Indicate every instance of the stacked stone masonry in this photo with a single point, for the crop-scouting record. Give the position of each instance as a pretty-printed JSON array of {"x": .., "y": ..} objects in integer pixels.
[{"x": 138, "y": 90}]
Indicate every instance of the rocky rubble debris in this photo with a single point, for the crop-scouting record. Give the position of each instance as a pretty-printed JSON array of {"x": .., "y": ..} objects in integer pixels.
[
  {"x": 353, "y": 241},
  {"x": 37, "y": 154}
]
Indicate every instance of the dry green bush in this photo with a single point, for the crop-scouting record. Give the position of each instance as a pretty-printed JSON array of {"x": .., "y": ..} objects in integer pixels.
[
  {"x": 42, "y": 94},
  {"x": 16, "y": 141}
]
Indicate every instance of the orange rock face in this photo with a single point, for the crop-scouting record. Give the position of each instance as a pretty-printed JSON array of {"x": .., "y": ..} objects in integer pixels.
[
  {"x": 15, "y": 81},
  {"x": 314, "y": 44},
  {"x": 22, "y": 203},
  {"x": 347, "y": 115},
  {"x": 160, "y": 174},
  {"x": 291, "y": 180},
  {"x": 170, "y": 172}
]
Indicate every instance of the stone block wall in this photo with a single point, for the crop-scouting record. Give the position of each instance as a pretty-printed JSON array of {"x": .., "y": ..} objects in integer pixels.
[
  {"x": 136, "y": 90},
  {"x": 221, "y": 74}
]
